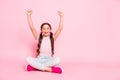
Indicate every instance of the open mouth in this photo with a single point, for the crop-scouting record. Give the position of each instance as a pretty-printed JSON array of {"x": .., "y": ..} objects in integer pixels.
[{"x": 46, "y": 33}]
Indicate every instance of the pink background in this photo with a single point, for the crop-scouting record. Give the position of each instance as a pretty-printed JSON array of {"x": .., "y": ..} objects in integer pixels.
[{"x": 91, "y": 32}]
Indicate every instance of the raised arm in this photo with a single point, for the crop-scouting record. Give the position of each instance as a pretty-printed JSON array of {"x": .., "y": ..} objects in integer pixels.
[
  {"x": 34, "y": 32},
  {"x": 60, "y": 25}
]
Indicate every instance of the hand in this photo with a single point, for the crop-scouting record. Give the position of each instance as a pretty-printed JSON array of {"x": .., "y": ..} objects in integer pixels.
[
  {"x": 29, "y": 12},
  {"x": 60, "y": 13}
]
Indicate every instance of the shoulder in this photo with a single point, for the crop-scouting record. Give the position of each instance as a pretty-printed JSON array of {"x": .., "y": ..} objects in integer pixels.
[{"x": 53, "y": 35}]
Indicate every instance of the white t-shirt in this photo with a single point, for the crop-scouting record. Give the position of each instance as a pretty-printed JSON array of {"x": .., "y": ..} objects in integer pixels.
[{"x": 45, "y": 45}]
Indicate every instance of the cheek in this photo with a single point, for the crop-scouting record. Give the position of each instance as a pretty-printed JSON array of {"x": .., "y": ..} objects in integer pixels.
[{"x": 42, "y": 30}]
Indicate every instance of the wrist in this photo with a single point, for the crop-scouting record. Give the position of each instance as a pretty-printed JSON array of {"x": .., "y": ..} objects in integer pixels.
[{"x": 28, "y": 14}]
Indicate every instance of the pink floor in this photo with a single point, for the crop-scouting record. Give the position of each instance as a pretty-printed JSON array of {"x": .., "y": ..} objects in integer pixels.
[{"x": 13, "y": 69}]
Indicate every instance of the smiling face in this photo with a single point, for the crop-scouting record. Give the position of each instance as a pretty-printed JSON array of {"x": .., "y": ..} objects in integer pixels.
[{"x": 45, "y": 29}]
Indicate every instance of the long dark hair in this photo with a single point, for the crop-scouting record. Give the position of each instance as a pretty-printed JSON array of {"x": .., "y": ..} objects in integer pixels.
[{"x": 41, "y": 37}]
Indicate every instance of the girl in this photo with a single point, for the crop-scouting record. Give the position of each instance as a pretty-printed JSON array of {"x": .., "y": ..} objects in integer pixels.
[{"x": 44, "y": 60}]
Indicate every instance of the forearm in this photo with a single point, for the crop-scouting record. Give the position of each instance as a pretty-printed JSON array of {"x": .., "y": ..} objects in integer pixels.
[
  {"x": 31, "y": 26},
  {"x": 59, "y": 28},
  {"x": 29, "y": 21},
  {"x": 61, "y": 22}
]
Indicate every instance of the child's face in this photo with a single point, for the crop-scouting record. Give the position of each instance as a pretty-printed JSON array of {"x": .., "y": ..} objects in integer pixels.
[{"x": 46, "y": 30}]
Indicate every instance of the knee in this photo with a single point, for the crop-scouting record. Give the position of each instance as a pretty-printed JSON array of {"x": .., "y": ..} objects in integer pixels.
[
  {"x": 28, "y": 59},
  {"x": 57, "y": 60}
]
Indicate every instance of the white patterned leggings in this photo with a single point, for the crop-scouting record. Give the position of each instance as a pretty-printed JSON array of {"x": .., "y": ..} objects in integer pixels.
[{"x": 42, "y": 61}]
